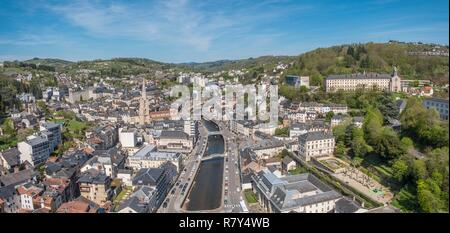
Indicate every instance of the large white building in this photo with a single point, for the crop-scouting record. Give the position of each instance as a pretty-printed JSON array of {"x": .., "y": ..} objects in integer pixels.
[
  {"x": 303, "y": 193},
  {"x": 352, "y": 82},
  {"x": 52, "y": 132},
  {"x": 315, "y": 144},
  {"x": 175, "y": 141},
  {"x": 297, "y": 129},
  {"x": 149, "y": 157},
  {"x": 127, "y": 137},
  {"x": 35, "y": 150},
  {"x": 322, "y": 109}
]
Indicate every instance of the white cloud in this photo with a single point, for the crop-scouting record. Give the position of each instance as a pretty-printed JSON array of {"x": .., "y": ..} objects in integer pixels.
[{"x": 172, "y": 21}]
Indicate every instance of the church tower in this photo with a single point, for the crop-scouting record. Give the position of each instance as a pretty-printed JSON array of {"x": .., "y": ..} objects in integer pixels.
[
  {"x": 144, "y": 111},
  {"x": 395, "y": 85}
]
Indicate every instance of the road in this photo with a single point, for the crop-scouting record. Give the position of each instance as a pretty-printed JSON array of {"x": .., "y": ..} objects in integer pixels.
[{"x": 232, "y": 182}]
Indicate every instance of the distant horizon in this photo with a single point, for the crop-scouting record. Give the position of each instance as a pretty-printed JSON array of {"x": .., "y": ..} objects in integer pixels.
[
  {"x": 225, "y": 59},
  {"x": 180, "y": 31}
]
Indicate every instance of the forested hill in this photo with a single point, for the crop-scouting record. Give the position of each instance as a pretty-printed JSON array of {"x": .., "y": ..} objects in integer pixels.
[
  {"x": 411, "y": 60},
  {"x": 264, "y": 61},
  {"x": 374, "y": 57}
]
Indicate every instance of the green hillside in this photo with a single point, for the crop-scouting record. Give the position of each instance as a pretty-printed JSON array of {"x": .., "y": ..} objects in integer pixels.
[
  {"x": 372, "y": 57},
  {"x": 342, "y": 59},
  {"x": 266, "y": 61}
]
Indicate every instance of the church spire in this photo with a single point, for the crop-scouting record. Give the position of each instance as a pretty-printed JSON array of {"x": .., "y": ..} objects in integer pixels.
[
  {"x": 394, "y": 72},
  {"x": 143, "y": 105},
  {"x": 144, "y": 89}
]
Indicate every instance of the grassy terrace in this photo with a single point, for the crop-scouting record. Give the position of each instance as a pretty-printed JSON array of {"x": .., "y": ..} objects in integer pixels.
[
  {"x": 250, "y": 197},
  {"x": 119, "y": 197},
  {"x": 298, "y": 170}
]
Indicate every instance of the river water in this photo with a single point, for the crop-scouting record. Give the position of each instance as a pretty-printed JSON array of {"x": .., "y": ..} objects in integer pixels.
[{"x": 206, "y": 192}]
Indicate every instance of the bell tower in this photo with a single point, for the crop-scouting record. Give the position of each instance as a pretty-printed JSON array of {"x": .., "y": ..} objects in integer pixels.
[{"x": 396, "y": 84}]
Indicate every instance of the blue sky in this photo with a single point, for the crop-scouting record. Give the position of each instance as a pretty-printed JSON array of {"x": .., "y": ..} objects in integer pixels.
[{"x": 206, "y": 30}]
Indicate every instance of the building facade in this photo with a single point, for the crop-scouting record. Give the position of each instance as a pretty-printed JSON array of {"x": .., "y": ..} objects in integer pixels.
[
  {"x": 303, "y": 193},
  {"x": 35, "y": 150},
  {"x": 353, "y": 82},
  {"x": 441, "y": 106},
  {"x": 315, "y": 144}
]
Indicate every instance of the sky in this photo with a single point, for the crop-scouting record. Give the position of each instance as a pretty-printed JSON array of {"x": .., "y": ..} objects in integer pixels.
[{"x": 208, "y": 30}]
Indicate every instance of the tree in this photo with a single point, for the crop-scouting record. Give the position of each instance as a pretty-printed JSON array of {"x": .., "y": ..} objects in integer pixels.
[
  {"x": 407, "y": 143},
  {"x": 366, "y": 63},
  {"x": 284, "y": 153},
  {"x": 303, "y": 89},
  {"x": 373, "y": 124},
  {"x": 339, "y": 130},
  {"x": 359, "y": 146},
  {"x": 282, "y": 131},
  {"x": 428, "y": 195},
  {"x": 419, "y": 170},
  {"x": 350, "y": 51},
  {"x": 8, "y": 127},
  {"x": 340, "y": 149},
  {"x": 387, "y": 106},
  {"x": 400, "y": 169},
  {"x": 388, "y": 145},
  {"x": 349, "y": 134},
  {"x": 424, "y": 124},
  {"x": 328, "y": 116}
]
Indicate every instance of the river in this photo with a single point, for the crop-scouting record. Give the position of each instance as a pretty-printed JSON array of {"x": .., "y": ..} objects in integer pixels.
[{"x": 206, "y": 192}]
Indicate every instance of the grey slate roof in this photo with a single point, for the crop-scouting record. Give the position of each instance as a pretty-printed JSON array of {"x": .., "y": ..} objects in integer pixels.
[
  {"x": 18, "y": 177},
  {"x": 36, "y": 141},
  {"x": 147, "y": 176},
  {"x": 314, "y": 136},
  {"x": 287, "y": 160},
  {"x": 345, "y": 205},
  {"x": 359, "y": 76},
  {"x": 283, "y": 192},
  {"x": 93, "y": 176},
  {"x": 49, "y": 125},
  {"x": 7, "y": 191},
  {"x": 135, "y": 204},
  {"x": 11, "y": 156},
  {"x": 166, "y": 134}
]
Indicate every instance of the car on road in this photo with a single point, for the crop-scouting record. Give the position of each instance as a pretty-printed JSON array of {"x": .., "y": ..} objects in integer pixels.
[{"x": 165, "y": 204}]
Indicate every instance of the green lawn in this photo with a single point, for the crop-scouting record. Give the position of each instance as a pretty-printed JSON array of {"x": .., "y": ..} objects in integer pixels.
[
  {"x": 250, "y": 197},
  {"x": 74, "y": 125},
  {"x": 120, "y": 197},
  {"x": 298, "y": 170},
  {"x": 7, "y": 142}
]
